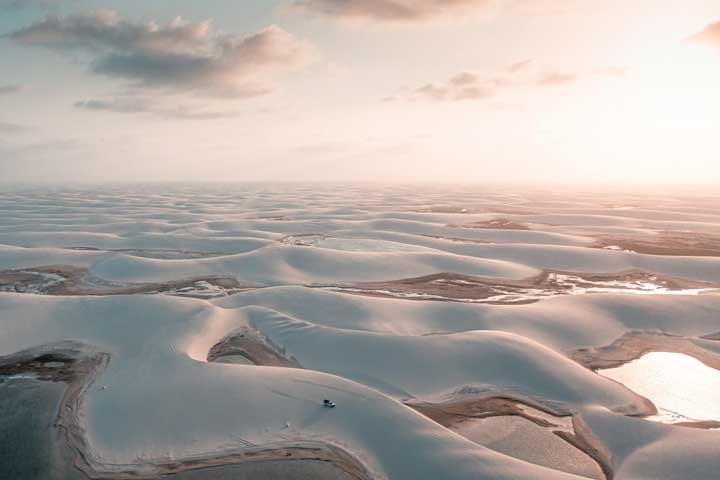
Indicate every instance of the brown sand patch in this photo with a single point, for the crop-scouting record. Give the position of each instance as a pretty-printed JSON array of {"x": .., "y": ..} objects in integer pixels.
[
  {"x": 252, "y": 345},
  {"x": 66, "y": 280},
  {"x": 298, "y": 451},
  {"x": 670, "y": 243},
  {"x": 458, "y": 239},
  {"x": 447, "y": 209},
  {"x": 497, "y": 209},
  {"x": 495, "y": 224},
  {"x": 703, "y": 425},
  {"x": 302, "y": 239},
  {"x": 583, "y": 439},
  {"x": 451, "y": 414},
  {"x": 634, "y": 345},
  {"x": 62, "y": 362},
  {"x": 466, "y": 288}
]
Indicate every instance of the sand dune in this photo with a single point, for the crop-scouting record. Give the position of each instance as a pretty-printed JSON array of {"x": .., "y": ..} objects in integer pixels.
[{"x": 194, "y": 334}]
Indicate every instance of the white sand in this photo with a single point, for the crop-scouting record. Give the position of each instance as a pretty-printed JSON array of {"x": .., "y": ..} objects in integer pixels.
[{"x": 160, "y": 399}]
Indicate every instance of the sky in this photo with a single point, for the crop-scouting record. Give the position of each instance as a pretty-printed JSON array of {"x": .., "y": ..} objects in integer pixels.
[{"x": 518, "y": 91}]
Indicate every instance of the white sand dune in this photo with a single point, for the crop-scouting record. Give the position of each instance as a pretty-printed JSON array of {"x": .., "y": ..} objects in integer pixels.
[
  {"x": 157, "y": 406},
  {"x": 434, "y": 366},
  {"x": 160, "y": 399},
  {"x": 562, "y": 322},
  {"x": 641, "y": 449},
  {"x": 285, "y": 264}
]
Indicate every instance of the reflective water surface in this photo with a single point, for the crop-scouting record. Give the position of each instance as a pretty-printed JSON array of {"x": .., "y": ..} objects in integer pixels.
[{"x": 682, "y": 388}]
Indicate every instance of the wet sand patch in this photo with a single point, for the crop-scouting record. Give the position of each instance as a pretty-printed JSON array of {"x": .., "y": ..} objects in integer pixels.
[
  {"x": 462, "y": 416},
  {"x": 494, "y": 224},
  {"x": 303, "y": 239},
  {"x": 454, "y": 412},
  {"x": 634, "y": 345},
  {"x": 458, "y": 239},
  {"x": 447, "y": 209},
  {"x": 669, "y": 243},
  {"x": 470, "y": 289},
  {"x": 253, "y": 346},
  {"x": 37, "y": 281},
  {"x": 275, "y": 456},
  {"x": 525, "y": 440},
  {"x": 497, "y": 209},
  {"x": 73, "y": 281},
  {"x": 268, "y": 470}
]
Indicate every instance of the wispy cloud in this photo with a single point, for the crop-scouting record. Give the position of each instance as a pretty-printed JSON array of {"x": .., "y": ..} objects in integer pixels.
[
  {"x": 463, "y": 86},
  {"x": 150, "y": 106},
  {"x": 392, "y": 10},
  {"x": 180, "y": 56},
  {"x": 470, "y": 85},
  {"x": 422, "y": 11},
  {"x": 710, "y": 35},
  {"x": 556, "y": 78},
  {"x": 10, "y": 89},
  {"x": 6, "y": 127}
]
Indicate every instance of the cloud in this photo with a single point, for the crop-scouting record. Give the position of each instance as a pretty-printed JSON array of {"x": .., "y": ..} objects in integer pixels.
[
  {"x": 144, "y": 105},
  {"x": 6, "y": 127},
  {"x": 392, "y": 10},
  {"x": 10, "y": 89},
  {"x": 552, "y": 79},
  {"x": 709, "y": 36},
  {"x": 179, "y": 56},
  {"x": 519, "y": 66},
  {"x": 416, "y": 11},
  {"x": 469, "y": 85},
  {"x": 463, "y": 86}
]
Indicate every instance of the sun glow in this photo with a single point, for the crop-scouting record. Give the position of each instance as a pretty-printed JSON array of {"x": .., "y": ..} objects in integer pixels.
[
  {"x": 678, "y": 87},
  {"x": 663, "y": 115}
]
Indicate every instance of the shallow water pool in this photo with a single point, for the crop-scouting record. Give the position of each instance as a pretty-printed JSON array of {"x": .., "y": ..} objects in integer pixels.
[{"x": 681, "y": 387}]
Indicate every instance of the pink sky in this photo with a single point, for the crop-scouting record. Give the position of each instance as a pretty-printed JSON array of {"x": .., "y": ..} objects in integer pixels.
[{"x": 393, "y": 90}]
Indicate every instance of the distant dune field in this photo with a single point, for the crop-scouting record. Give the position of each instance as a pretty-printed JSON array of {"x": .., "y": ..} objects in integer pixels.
[{"x": 461, "y": 333}]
